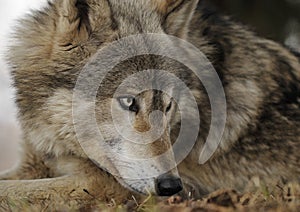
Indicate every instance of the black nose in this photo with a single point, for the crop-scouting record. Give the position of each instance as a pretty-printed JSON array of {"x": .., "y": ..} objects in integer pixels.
[{"x": 167, "y": 185}]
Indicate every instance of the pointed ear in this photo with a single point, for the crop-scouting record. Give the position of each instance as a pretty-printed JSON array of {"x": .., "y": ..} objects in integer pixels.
[
  {"x": 177, "y": 15},
  {"x": 73, "y": 22}
]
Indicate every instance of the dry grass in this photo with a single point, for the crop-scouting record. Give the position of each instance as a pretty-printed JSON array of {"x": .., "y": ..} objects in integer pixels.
[{"x": 279, "y": 198}]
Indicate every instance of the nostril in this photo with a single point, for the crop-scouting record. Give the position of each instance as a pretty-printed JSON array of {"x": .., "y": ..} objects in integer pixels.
[{"x": 168, "y": 185}]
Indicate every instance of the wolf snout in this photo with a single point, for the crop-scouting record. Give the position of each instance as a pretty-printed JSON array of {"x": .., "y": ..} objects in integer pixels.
[{"x": 168, "y": 185}]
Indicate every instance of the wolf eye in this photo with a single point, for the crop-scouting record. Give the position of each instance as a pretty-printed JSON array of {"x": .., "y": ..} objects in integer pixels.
[
  {"x": 128, "y": 103},
  {"x": 169, "y": 107}
]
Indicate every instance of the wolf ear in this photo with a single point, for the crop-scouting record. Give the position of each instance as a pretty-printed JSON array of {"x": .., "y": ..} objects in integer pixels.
[
  {"x": 73, "y": 21},
  {"x": 177, "y": 15}
]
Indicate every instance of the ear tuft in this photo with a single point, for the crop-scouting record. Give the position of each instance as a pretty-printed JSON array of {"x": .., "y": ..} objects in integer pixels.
[
  {"x": 73, "y": 25},
  {"x": 178, "y": 14}
]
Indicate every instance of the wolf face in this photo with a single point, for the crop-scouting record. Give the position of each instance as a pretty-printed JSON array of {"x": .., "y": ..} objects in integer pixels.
[
  {"x": 136, "y": 117},
  {"x": 139, "y": 145},
  {"x": 137, "y": 134}
]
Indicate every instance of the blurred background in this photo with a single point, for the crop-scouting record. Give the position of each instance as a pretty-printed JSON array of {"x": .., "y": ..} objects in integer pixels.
[
  {"x": 10, "y": 133},
  {"x": 275, "y": 19}
]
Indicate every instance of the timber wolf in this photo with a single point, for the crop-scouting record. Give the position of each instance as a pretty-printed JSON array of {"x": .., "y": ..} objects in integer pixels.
[{"x": 260, "y": 79}]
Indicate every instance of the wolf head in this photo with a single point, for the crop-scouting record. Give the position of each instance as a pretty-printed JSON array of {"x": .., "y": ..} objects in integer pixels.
[
  {"x": 136, "y": 107},
  {"x": 137, "y": 102}
]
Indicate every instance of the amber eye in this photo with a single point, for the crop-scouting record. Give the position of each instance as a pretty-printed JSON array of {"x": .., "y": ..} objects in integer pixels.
[{"x": 128, "y": 103}]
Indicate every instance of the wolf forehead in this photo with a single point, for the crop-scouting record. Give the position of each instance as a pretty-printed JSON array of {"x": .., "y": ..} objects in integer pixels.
[{"x": 125, "y": 17}]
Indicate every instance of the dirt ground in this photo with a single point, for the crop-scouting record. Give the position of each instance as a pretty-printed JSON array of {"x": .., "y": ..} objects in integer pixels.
[{"x": 278, "y": 199}]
